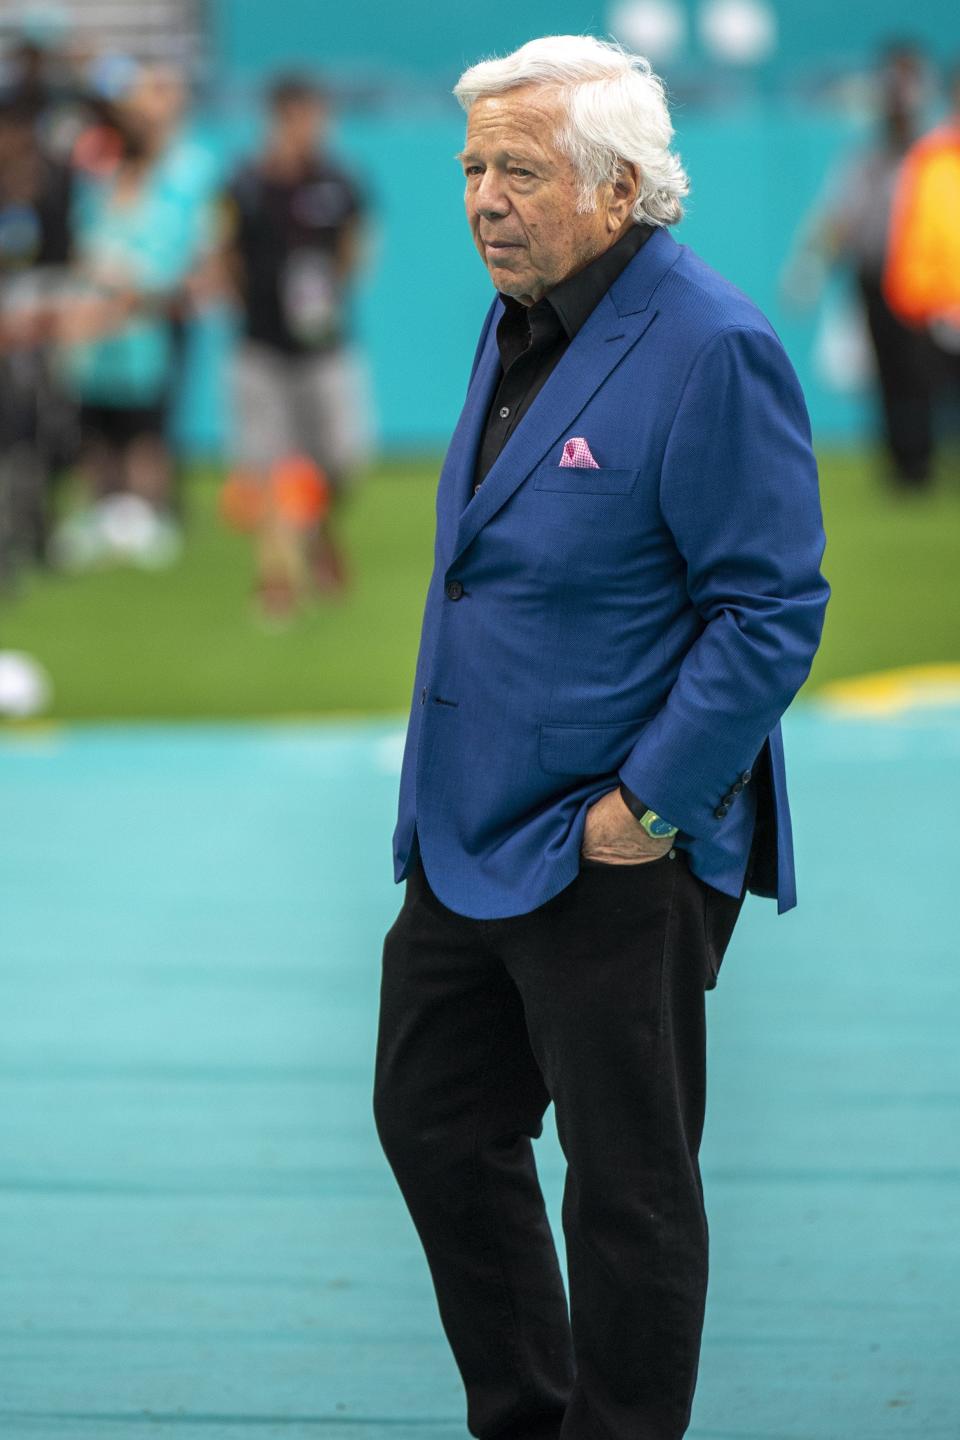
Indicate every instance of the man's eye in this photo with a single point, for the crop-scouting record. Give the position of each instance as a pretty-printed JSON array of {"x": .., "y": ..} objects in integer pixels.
[
  {"x": 518, "y": 170},
  {"x": 471, "y": 170}
]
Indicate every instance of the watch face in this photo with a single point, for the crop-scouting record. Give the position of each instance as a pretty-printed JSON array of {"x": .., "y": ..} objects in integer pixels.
[{"x": 659, "y": 828}]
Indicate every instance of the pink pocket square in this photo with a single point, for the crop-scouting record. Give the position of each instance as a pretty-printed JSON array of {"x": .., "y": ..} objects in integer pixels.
[{"x": 577, "y": 452}]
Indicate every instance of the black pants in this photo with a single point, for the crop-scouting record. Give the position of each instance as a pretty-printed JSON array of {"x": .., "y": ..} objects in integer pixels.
[
  {"x": 906, "y": 372},
  {"x": 595, "y": 1001}
]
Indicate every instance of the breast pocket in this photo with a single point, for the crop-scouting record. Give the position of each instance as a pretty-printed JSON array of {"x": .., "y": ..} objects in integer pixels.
[{"x": 583, "y": 480}]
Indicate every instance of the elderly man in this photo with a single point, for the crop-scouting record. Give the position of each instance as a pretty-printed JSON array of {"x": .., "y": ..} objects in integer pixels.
[{"x": 626, "y": 597}]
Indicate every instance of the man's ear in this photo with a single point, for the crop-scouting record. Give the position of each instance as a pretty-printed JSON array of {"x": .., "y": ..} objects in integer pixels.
[{"x": 626, "y": 188}]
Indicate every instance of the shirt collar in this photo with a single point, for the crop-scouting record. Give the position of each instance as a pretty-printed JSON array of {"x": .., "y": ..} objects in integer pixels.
[{"x": 573, "y": 300}]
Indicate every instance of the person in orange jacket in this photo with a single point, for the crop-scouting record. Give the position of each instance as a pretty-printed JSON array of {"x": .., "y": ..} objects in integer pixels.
[{"x": 922, "y": 276}]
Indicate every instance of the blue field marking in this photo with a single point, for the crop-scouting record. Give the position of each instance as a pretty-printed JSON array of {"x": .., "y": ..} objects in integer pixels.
[{"x": 200, "y": 1232}]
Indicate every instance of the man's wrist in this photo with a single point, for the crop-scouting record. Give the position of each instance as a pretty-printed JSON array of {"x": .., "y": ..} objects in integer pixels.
[{"x": 655, "y": 825}]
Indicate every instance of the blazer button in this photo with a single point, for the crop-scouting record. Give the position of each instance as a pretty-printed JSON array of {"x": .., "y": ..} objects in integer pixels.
[
  {"x": 746, "y": 776},
  {"x": 454, "y": 589},
  {"x": 720, "y": 811},
  {"x": 736, "y": 787}
]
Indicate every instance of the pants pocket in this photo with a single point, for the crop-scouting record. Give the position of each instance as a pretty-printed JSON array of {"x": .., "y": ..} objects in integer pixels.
[{"x": 629, "y": 865}]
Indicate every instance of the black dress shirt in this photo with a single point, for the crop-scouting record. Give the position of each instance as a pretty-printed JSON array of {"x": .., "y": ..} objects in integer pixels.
[{"x": 531, "y": 339}]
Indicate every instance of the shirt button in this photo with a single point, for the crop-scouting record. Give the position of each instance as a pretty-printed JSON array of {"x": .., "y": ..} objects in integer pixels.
[
  {"x": 504, "y": 411},
  {"x": 454, "y": 590}
]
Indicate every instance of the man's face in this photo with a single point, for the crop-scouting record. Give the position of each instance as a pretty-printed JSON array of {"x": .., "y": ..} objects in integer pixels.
[
  {"x": 300, "y": 124},
  {"x": 521, "y": 195}
]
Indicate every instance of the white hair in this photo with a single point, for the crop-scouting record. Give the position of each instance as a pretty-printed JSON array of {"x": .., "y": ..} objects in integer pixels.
[{"x": 616, "y": 111}]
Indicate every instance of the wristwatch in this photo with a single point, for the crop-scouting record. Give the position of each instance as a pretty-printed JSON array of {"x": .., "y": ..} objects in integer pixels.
[{"x": 656, "y": 827}]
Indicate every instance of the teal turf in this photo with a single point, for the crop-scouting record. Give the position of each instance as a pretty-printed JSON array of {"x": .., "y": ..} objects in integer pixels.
[{"x": 198, "y": 1231}]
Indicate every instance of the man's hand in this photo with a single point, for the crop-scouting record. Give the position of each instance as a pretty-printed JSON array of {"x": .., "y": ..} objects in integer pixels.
[{"x": 612, "y": 834}]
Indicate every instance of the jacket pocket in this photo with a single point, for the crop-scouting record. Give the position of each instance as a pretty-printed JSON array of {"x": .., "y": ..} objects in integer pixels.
[
  {"x": 588, "y": 749},
  {"x": 580, "y": 480}
]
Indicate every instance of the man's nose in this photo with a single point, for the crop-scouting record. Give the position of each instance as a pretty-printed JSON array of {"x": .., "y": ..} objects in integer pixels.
[{"x": 489, "y": 197}]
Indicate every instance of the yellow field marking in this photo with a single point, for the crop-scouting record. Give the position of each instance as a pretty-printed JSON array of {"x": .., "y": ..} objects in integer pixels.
[
  {"x": 31, "y": 729},
  {"x": 892, "y": 692}
]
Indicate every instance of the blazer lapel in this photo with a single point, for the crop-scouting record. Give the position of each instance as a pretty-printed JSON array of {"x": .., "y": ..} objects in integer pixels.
[
  {"x": 612, "y": 330},
  {"x": 593, "y": 353},
  {"x": 455, "y": 485}
]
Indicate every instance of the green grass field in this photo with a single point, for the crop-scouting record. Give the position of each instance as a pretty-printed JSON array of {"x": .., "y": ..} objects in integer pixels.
[{"x": 185, "y": 643}]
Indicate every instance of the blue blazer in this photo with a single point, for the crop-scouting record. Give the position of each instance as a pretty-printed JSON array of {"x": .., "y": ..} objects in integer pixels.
[{"x": 649, "y": 620}]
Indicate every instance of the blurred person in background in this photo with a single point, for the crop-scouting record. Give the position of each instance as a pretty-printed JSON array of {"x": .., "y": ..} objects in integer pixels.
[
  {"x": 922, "y": 279},
  {"x": 38, "y": 73},
  {"x": 36, "y": 427},
  {"x": 292, "y": 234},
  {"x": 187, "y": 174},
  {"x": 850, "y": 229},
  {"x": 138, "y": 236},
  {"x": 182, "y": 166},
  {"x": 54, "y": 79}
]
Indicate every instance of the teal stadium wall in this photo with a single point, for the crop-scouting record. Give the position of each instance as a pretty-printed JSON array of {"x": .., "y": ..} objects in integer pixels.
[{"x": 757, "y": 150}]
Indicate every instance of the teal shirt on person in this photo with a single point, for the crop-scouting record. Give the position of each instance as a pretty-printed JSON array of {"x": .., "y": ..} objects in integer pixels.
[{"x": 149, "y": 244}]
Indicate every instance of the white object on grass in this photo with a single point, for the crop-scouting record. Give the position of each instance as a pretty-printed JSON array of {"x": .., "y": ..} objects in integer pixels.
[{"x": 25, "y": 687}]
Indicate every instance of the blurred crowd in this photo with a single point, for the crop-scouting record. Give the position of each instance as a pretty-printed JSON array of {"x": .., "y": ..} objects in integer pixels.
[{"x": 117, "y": 228}]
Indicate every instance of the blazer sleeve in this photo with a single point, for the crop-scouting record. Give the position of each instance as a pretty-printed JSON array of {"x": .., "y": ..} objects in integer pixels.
[{"x": 739, "y": 493}]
